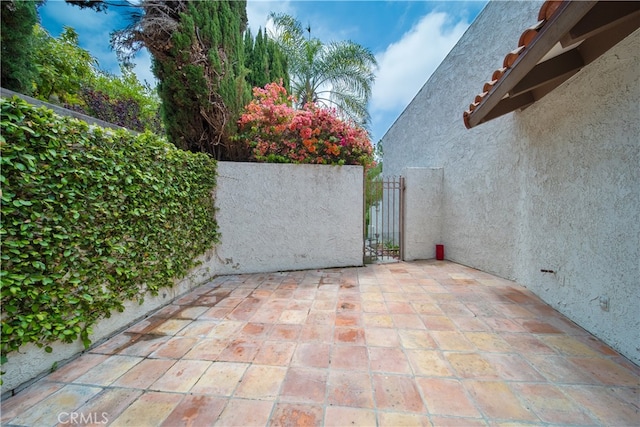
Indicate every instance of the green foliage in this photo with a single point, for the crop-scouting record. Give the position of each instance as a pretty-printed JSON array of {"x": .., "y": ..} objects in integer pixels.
[
  {"x": 123, "y": 100},
  {"x": 63, "y": 66},
  {"x": 338, "y": 74},
  {"x": 264, "y": 60},
  {"x": 17, "y": 42},
  {"x": 91, "y": 219}
]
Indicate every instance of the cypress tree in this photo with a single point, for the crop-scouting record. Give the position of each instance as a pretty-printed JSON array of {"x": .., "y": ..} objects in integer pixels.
[{"x": 18, "y": 71}]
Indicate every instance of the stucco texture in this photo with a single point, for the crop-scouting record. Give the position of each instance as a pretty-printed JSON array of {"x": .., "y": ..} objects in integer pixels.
[
  {"x": 278, "y": 217},
  {"x": 553, "y": 187}
]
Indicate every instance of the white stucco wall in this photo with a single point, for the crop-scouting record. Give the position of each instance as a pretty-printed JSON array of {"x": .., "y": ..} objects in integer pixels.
[
  {"x": 555, "y": 187},
  {"x": 422, "y": 212},
  {"x": 277, "y": 217}
]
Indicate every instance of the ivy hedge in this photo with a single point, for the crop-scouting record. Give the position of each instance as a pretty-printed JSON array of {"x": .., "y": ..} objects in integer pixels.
[{"x": 91, "y": 218}]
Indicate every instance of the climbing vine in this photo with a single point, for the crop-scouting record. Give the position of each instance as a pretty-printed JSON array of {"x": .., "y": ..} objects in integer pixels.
[{"x": 91, "y": 218}]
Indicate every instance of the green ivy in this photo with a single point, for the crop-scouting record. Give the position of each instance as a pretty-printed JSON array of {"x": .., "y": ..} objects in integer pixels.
[{"x": 91, "y": 218}]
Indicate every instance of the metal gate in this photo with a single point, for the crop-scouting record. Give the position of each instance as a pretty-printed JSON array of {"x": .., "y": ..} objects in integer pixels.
[{"x": 384, "y": 213}]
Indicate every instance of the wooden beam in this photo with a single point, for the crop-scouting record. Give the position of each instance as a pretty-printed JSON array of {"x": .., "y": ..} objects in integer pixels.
[
  {"x": 508, "y": 105},
  {"x": 565, "y": 64},
  {"x": 568, "y": 15},
  {"x": 603, "y": 16}
]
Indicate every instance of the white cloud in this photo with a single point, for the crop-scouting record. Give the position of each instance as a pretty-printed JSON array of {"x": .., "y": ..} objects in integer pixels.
[
  {"x": 258, "y": 12},
  {"x": 405, "y": 65}
]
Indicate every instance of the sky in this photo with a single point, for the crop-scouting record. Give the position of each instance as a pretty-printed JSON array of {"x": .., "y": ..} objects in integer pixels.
[{"x": 409, "y": 38}]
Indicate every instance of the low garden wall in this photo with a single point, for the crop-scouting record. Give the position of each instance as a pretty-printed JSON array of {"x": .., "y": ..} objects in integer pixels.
[{"x": 277, "y": 217}]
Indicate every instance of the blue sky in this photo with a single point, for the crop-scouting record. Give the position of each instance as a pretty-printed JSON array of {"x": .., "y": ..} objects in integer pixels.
[{"x": 410, "y": 38}]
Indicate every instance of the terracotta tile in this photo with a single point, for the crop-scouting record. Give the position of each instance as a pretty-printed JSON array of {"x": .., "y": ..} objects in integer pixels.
[
  {"x": 226, "y": 329},
  {"x": 471, "y": 324},
  {"x": 512, "y": 367},
  {"x": 381, "y": 337},
  {"x": 67, "y": 399},
  {"x": 181, "y": 376},
  {"x": 438, "y": 323},
  {"x": 196, "y": 411},
  {"x": 276, "y": 353},
  {"x": 170, "y": 327},
  {"x": 296, "y": 317},
  {"x": 400, "y": 307},
  {"x": 108, "y": 371},
  {"x": 261, "y": 382},
  {"x": 551, "y": 405},
  {"x": 349, "y": 357},
  {"x": 151, "y": 409},
  {"x": 107, "y": 405},
  {"x": 407, "y": 321},
  {"x": 568, "y": 346},
  {"x": 304, "y": 385},
  {"x": 175, "y": 348},
  {"x": 558, "y": 369},
  {"x": 296, "y": 415},
  {"x": 428, "y": 363},
  {"x": 527, "y": 343},
  {"x": 374, "y": 307},
  {"x": 220, "y": 379},
  {"x": 395, "y": 419},
  {"x": 340, "y": 416},
  {"x": 192, "y": 312},
  {"x": 398, "y": 393},
  {"x": 472, "y": 365},
  {"x": 254, "y": 330},
  {"x": 497, "y": 401},
  {"x": 285, "y": 332},
  {"x": 348, "y": 319},
  {"x": 239, "y": 351},
  {"x": 199, "y": 328},
  {"x": 349, "y": 335},
  {"x": 144, "y": 373},
  {"x": 446, "y": 397},
  {"x": 115, "y": 344},
  {"x": 377, "y": 320},
  {"x": 321, "y": 317},
  {"x": 320, "y": 304},
  {"x": 215, "y": 313},
  {"x": 499, "y": 324},
  {"x": 349, "y": 306},
  {"x": 372, "y": 296},
  {"x": 416, "y": 339},
  {"x": 76, "y": 367},
  {"x": 452, "y": 340},
  {"x": 316, "y": 333},
  {"x": 206, "y": 349},
  {"x": 441, "y": 421},
  {"x": 348, "y": 388},
  {"x": 20, "y": 403},
  {"x": 607, "y": 371},
  {"x": 312, "y": 355},
  {"x": 604, "y": 404},
  {"x": 392, "y": 360},
  {"x": 486, "y": 341},
  {"x": 539, "y": 327}
]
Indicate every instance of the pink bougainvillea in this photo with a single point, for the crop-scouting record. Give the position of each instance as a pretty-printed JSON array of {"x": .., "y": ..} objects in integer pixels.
[{"x": 276, "y": 132}]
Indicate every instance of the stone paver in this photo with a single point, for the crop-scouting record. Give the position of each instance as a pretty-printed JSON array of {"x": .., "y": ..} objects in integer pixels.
[{"x": 428, "y": 343}]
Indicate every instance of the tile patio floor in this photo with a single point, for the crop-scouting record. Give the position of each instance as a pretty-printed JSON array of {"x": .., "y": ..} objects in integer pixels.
[{"x": 422, "y": 343}]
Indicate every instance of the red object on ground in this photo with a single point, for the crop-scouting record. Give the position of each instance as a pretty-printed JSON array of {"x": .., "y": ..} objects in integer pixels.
[{"x": 439, "y": 252}]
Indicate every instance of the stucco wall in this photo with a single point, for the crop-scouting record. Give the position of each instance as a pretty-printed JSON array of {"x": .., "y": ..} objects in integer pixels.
[
  {"x": 277, "y": 217},
  {"x": 553, "y": 187},
  {"x": 422, "y": 212}
]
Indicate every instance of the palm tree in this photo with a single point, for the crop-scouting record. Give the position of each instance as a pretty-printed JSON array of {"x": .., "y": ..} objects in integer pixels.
[{"x": 338, "y": 74}]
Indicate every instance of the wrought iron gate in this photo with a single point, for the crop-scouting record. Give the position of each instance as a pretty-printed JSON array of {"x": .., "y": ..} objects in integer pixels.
[{"x": 384, "y": 212}]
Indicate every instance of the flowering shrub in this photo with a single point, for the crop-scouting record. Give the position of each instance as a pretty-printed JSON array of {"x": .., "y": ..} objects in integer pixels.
[{"x": 278, "y": 133}]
